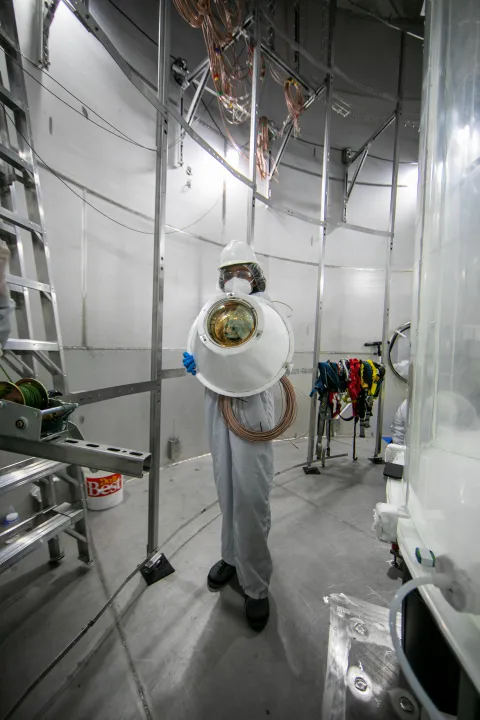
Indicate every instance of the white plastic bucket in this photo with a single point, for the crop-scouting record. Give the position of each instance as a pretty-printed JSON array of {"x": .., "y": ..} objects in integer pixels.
[{"x": 104, "y": 489}]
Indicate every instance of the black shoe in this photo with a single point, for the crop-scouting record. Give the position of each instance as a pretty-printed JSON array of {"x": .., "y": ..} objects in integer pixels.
[
  {"x": 220, "y": 575},
  {"x": 258, "y": 612}
]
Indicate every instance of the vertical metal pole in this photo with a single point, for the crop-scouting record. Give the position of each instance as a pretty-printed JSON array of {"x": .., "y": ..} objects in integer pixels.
[
  {"x": 252, "y": 158},
  {"x": 158, "y": 275},
  {"x": 224, "y": 196},
  {"x": 84, "y": 268},
  {"x": 39, "y": 28},
  {"x": 181, "y": 131},
  {"x": 345, "y": 193},
  {"x": 388, "y": 263},
  {"x": 323, "y": 233}
]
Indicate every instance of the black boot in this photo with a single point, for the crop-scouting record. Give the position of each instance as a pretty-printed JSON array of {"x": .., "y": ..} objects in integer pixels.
[
  {"x": 220, "y": 575},
  {"x": 257, "y": 612}
]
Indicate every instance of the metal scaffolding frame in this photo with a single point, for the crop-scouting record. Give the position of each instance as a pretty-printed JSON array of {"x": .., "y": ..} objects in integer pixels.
[
  {"x": 159, "y": 99},
  {"x": 323, "y": 237}
]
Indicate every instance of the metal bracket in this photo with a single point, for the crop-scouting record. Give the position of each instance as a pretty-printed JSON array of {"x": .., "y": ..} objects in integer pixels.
[
  {"x": 20, "y": 421},
  {"x": 311, "y": 470},
  {"x": 156, "y": 568},
  {"x": 349, "y": 156},
  {"x": 45, "y": 12},
  {"x": 81, "y": 452}
]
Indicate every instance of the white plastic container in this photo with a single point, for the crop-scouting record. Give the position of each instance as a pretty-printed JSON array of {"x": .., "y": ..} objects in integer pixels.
[
  {"x": 104, "y": 489},
  {"x": 11, "y": 519}
]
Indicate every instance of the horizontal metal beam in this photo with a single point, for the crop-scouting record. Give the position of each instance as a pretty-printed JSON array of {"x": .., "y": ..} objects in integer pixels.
[
  {"x": 88, "y": 397},
  {"x": 64, "y": 516},
  {"x": 292, "y": 213},
  {"x": 22, "y": 345},
  {"x": 19, "y": 221},
  {"x": 16, "y": 281},
  {"x": 7, "y": 98},
  {"x": 83, "y": 453},
  {"x": 27, "y": 471},
  {"x": 360, "y": 229},
  {"x": 13, "y": 158}
]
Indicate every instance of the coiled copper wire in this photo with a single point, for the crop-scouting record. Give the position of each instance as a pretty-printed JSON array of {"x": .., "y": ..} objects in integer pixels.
[{"x": 286, "y": 421}]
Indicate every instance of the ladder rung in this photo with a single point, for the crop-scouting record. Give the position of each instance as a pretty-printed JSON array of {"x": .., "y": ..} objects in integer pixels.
[
  {"x": 65, "y": 516},
  {"x": 6, "y": 41},
  {"x": 27, "y": 471},
  {"x": 22, "y": 222},
  {"x": 13, "y": 158},
  {"x": 15, "y": 281},
  {"x": 25, "y": 345},
  {"x": 7, "y": 99},
  {"x": 7, "y": 230}
]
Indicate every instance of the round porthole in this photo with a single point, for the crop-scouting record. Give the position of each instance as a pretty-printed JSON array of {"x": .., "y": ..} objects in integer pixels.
[
  {"x": 231, "y": 322},
  {"x": 399, "y": 352}
]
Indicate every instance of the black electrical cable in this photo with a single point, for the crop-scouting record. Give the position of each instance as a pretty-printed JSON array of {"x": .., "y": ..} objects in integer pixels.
[
  {"x": 87, "y": 107},
  {"x": 141, "y": 232},
  {"x": 207, "y": 108},
  {"x": 121, "y": 136},
  {"x": 170, "y": 232},
  {"x": 114, "y": 595},
  {"x": 337, "y": 149},
  {"x": 70, "y": 645},
  {"x": 152, "y": 40}
]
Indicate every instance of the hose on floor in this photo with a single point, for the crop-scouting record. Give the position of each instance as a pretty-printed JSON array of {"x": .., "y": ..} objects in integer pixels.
[{"x": 287, "y": 419}]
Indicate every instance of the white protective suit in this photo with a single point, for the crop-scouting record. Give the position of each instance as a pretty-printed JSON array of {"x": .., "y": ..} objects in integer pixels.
[
  {"x": 243, "y": 474},
  {"x": 399, "y": 424}
]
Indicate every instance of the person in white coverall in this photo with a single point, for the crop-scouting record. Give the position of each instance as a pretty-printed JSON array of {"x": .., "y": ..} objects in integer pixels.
[
  {"x": 6, "y": 304},
  {"x": 399, "y": 424},
  {"x": 243, "y": 470}
]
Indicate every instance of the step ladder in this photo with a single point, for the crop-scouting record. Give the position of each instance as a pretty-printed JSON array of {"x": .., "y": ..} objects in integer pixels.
[
  {"x": 38, "y": 338},
  {"x": 37, "y": 345},
  {"x": 53, "y": 518}
]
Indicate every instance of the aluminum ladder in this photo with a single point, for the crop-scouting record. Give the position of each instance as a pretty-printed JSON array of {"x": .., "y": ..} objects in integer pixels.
[
  {"x": 38, "y": 338},
  {"x": 37, "y": 345}
]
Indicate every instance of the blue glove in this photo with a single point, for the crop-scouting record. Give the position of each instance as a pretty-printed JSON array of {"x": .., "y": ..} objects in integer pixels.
[{"x": 189, "y": 363}]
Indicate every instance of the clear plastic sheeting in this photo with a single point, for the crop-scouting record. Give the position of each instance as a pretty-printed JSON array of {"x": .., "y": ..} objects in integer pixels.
[{"x": 444, "y": 433}]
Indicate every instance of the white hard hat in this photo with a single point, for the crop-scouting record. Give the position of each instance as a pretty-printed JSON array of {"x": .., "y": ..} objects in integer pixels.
[{"x": 237, "y": 252}]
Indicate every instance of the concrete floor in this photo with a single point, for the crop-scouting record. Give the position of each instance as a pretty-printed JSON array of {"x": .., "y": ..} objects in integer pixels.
[{"x": 176, "y": 651}]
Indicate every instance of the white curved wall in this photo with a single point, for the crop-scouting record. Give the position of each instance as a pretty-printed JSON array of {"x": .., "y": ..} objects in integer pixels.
[{"x": 103, "y": 271}]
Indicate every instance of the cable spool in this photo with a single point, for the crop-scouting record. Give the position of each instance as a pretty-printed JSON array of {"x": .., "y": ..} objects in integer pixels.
[
  {"x": 287, "y": 419},
  {"x": 26, "y": 391}
]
